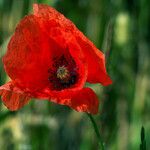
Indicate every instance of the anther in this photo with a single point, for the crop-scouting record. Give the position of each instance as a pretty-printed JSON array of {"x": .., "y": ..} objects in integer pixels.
[{"x": 62, "y": 73}]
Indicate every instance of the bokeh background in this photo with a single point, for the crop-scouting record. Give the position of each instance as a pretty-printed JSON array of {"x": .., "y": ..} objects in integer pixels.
[{"x": 121, "y": 29}]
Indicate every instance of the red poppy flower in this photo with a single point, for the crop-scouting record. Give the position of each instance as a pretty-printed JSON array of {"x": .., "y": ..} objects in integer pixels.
[{"x": 49, "y": 58}]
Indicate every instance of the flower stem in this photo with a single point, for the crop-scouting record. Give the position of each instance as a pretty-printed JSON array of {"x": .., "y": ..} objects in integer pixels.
[{"x": 96, "y": 131}]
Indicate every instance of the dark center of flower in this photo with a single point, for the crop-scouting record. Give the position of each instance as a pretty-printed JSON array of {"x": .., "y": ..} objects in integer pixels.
[{"x": 64, "y": 73}]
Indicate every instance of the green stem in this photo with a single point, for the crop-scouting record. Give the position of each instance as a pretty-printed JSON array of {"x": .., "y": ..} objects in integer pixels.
[{"x": 96, "y": 131}]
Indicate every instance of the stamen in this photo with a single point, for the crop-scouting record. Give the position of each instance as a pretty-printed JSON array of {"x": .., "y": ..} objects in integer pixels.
[{"x": 62, "y": 73}]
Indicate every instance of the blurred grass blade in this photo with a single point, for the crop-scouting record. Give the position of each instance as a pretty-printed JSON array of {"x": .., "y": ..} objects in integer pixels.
[{"x": 143, "y": 141}]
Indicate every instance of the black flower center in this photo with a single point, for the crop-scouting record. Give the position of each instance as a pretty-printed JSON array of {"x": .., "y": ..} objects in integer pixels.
[{"x": 64, "y": 73}]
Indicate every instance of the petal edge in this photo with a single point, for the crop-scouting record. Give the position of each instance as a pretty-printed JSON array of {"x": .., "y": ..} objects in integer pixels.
[
  {"x": 12, "y": 97},
  {"x": 85, "y": 101}
]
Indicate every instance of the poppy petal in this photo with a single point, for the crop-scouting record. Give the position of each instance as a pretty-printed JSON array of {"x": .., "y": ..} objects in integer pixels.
[
  {"x": 12, "y": 97},
  {"x": 96, "y": 61},
  {"x": 84, "y": 100},
  {"x": 29, "y": 55}
]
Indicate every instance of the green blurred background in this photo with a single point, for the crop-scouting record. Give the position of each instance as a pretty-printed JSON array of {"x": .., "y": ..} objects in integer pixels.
[{"x": 121, "y": 28}]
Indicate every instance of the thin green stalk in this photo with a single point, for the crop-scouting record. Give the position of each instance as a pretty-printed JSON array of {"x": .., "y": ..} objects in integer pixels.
[{"x": 96, "y": 131}]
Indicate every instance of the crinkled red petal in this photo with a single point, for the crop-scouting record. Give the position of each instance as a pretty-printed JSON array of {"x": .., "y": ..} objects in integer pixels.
[
  {"x": 84, "y": 100},
  {"x": 28, "y": 55},
  {"x": 96, "y": 61},
  {"x": 94, "y": 57},
  {"x": 12, "y": 97}
]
